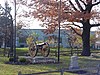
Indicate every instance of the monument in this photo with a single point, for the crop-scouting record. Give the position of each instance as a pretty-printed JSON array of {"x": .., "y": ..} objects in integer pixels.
[
  {"x": 74, "y": 62},
  {"x": 43, "y": 49}
]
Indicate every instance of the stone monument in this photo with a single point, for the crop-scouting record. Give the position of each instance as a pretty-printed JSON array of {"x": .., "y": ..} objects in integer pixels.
[{"x": 74, "y": 62}]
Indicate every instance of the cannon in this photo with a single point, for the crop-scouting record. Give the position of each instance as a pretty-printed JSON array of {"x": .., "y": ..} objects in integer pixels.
[{"x": 43, "y": 48}]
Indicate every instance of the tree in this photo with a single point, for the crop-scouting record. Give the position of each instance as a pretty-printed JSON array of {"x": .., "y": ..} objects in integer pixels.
[
  {"x": 73, "y": 13},
  {"x": 29, "y": 40},
  {"x": 73, "y": 39},
  {"x": 52, "y": 40},
  {"x": 33, "y": 37},
  {"x": 5, "y": 25}
]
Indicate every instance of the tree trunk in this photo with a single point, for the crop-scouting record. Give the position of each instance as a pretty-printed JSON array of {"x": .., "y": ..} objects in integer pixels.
[
  {"x": 4, "y": 53},
  {"x": 86, "y": 40}
]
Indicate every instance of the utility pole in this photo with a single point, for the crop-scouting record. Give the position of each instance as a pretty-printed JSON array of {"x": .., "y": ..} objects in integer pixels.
[
  {"x": 59, "y": 16},
  {"x": 15, "y": 32}
]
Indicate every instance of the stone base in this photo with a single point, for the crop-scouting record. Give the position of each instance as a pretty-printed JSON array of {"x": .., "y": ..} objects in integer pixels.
[
  {"x": 40, "y": 59},
  {"x": 71, "y": 68}
]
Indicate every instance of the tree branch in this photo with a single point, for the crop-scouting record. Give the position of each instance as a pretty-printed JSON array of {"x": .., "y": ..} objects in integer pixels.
[
  {"x": 83, "y": 2},
  {"x": 76, "y": 32},
  {"x": 80, "y": 7},
  {"x": 96, "y": 3},
  {"x": 77, "y": 25},
  {"x": 95, "y": 25},
  {"x": 73, "y": 5}
]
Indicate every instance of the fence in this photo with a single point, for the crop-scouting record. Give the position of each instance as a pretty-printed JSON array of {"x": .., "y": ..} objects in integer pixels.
[
  {"x": 49, "y": 72},
  {"x": 96, "y": 71},
  {"x": 70, "y": 52}
]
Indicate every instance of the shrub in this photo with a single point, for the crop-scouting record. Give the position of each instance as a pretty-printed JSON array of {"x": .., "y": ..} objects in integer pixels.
[
  {"x": 11, "y": 59},
  {"x": 22, "y": 60}
]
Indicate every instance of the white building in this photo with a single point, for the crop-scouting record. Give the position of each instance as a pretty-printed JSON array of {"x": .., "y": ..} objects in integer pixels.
[{"x": 24, "y": 33}]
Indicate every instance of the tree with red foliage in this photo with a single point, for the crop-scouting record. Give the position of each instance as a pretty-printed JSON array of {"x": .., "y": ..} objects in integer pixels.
[{"x": 73, "y": 13}]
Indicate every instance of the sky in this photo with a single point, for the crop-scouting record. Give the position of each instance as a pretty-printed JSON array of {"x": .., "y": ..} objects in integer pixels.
[{"x": 32, "y": 23}]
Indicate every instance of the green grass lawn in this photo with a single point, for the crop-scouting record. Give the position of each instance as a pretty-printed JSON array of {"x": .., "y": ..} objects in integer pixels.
[{"x": 8, "y": 69}]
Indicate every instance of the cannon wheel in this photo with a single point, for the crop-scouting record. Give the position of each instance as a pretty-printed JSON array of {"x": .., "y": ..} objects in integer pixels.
[
  {"x": 33, "y": 50},
  {"x": 45, "y": 50}
]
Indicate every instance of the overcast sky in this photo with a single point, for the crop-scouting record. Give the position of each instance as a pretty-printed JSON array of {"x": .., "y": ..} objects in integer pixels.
[{"x": 33, "y": 24}]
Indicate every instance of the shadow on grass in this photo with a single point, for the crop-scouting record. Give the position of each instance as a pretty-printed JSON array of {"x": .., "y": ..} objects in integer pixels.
[
  {"x": 88, "y": 62},
  {"x": 79, "y": 72}
]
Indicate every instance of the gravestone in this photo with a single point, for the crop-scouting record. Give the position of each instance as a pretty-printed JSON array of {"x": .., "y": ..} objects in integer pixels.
[
  {"x": 98, "y": 69},
  {"x": 74, "y": 62}
]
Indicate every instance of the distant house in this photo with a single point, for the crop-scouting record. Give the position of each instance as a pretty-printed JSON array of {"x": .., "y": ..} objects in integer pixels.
[
  {"x": 97, "y": 43},
  {"x": 24, "y": 33}
]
